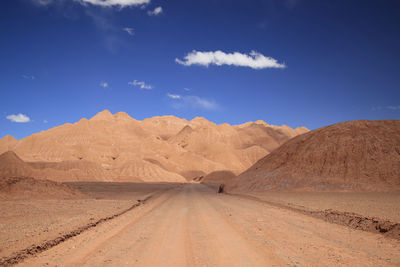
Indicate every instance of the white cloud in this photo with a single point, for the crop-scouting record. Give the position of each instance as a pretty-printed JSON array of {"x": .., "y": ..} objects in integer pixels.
[
  {"x": 128, "y": 30},
  {"x": 393, "y": 107},
  {"x": 142, "y": 85},
  {"x": 103, "y": 3},
  {"x": 157, "y": 11},
  {"x": 253, "y": 60},
  {"x": 18, "y": 118},
  {"x": 174, "y": 96},
  {"x": 104, "y": 84},
  {"x": 30, "y": 77},
  {"x": 187, "y": 89},
  {"x": 115, "y": 3},
  {"x": 45, "y": 121},
  {"x": 192, "y": 101}
]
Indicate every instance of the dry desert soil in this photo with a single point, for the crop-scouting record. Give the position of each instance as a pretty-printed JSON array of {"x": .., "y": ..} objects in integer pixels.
[{"x": 179, "y": 225}]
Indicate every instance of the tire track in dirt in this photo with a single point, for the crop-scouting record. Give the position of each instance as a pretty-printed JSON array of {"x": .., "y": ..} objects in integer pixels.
[
  {"x": 215, "y": 223},
  {"x": 304, "y": 240},
  {"x": 36, "y": 249},
  {"x": 193, "y": 226},
  {"x": 83, "y": 258}
]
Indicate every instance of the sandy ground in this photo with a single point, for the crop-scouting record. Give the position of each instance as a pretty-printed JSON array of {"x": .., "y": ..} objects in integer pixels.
[
  {"x": 382, "y": 205},
  {"x": 191, "y": 225},
  {"x": 124, "y": 191},
  {"x": 24, "y": 223}
]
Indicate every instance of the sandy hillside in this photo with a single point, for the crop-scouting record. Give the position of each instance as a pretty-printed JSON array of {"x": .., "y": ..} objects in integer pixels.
[
  {"x": 116, "y": 147},
  {"x": 11, "y": 165},
  {"x": 30, "y": 188},
  {"x": 349, "y": 156},
  {"x": 16, "y": 182}
]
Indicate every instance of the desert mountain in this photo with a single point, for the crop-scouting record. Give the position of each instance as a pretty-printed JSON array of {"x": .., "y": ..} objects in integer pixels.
[
  {"x": 354, "y": 155},
  {"x": 16, "y": 181},
  {"x": 116, "y": 147}
]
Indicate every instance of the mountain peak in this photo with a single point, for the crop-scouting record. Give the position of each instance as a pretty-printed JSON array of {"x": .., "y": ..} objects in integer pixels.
[
  {"x": 167, "y": 118},
  {"x": 243, "y": 125},
  {"x": 302, "y": 129},
  {"x": 201, "y": 121},
  {"x": 104, "y": 115},
  {"x": 122, "y": 116},
  {"x": 261, "y": 122},
  {"x": 9, "y": 138}
]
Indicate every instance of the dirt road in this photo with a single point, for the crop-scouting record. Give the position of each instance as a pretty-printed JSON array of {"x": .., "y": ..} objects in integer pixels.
[{"x": 193, "y": 226}]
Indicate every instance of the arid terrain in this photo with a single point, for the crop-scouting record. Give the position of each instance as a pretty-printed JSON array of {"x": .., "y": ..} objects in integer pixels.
[
  {"x": 370, "y": 204},
  {"x": 28, "y": 222},
  {"x": 353, "y": 156},
  {"x": 199, "y": 133},
  {"x": 191, "y": 225},
  {"x": 118, "y": 148},
  {"x": 145, "y": 194}
]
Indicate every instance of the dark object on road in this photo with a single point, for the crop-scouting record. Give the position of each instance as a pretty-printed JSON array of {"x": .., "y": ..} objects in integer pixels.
[{"x": 221, "y": 188}]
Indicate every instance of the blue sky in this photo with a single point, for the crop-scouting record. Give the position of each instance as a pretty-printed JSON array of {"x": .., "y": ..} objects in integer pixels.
[{"x": 314, "y": 63}]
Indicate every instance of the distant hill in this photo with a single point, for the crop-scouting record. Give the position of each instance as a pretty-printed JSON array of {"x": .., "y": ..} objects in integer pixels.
[
  {"x": 116, "y": 147},
  {"x": 16, "y": 182},
  {"x": 348, "y": 156},
  {"x": 220, "y": 177}
]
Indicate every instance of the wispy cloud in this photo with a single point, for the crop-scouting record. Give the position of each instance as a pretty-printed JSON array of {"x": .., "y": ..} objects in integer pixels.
[
  {"x": 192, "y": 101},
  {"x": 142, "y": 85},
  {"x": 187, "y": 89},
  {"x": 128, "y": 30},
  {"x": 45, "y": 121},
  {"x": 104, "y": 84},
  {"x": 102, "y": 3},
  {"x": 21, "y": 118},
  {"x": 30, "y": 77},
  {"x": 253, "y": 60},
  {"x": 103, "y": 19},
  {"x": 200, "y": 102},
  {"x": 111, "y": 34},
  {"x": 157, "y": 11},
  {"x": 174, "y": 96},
  {"x": 42, "y": 2},
  {"x": 116, "y": 3},
  {"x": 393, "y": 107}
]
